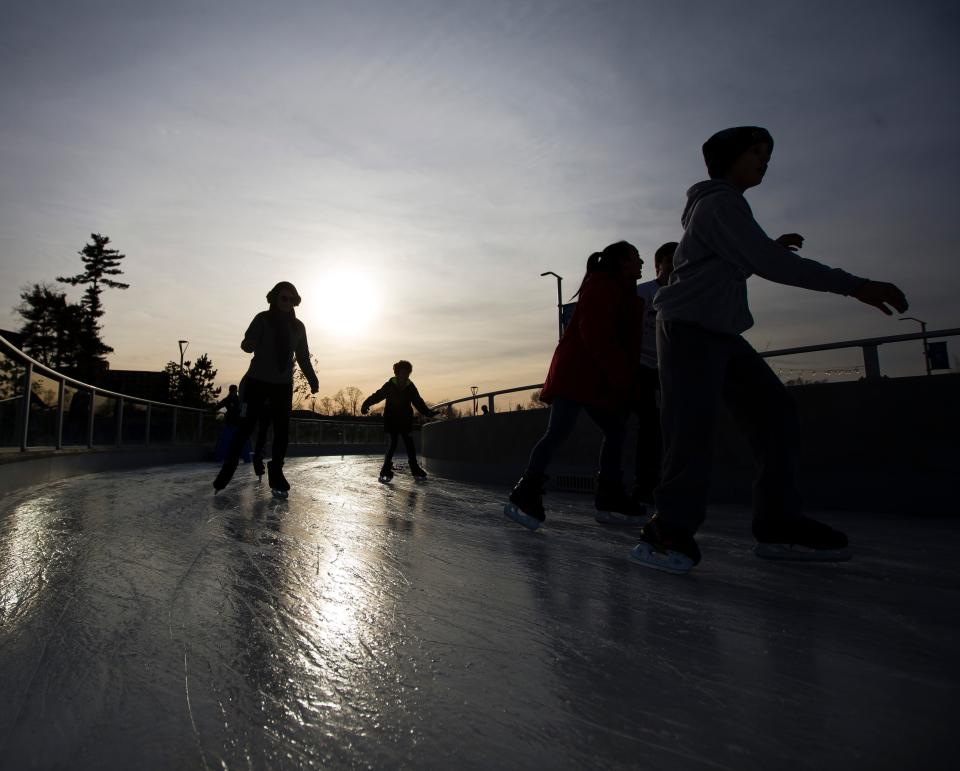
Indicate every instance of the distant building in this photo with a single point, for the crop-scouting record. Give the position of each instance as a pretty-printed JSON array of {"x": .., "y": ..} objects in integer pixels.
[{"x": 137, "y": 382}]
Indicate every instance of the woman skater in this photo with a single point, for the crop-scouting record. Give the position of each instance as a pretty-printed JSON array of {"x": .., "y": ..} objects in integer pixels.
[
  {"x": 274, "y": 337},
  {"x": 594, "y": 369}
]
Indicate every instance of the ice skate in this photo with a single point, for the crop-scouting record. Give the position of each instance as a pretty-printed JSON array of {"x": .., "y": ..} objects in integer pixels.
[
  {"x": 416, "y": 472},
  {"x": 225, "y": 475},
  {"x": 279, "y": 486},
  {"x": 615, "y": 507},
  {"x": 258, "y": 468},
  {"x": 800, "y": 540},
  {"x": 386, "y": 473},
  {"x": 665, "y": 548},
  {"x": 526, "y": 501}
]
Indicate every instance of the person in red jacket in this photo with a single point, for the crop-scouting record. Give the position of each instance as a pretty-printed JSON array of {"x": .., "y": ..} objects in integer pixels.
[{"x": 593, "y": 369}]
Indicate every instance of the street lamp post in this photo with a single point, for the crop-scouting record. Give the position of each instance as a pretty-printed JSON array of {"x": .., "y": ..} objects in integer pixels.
[
  {"x": 923, "y": 330},
  {"x": 559, "y": 302},
  {"x": 473, "y": 390},
  {"x": 183, "y": 347}
]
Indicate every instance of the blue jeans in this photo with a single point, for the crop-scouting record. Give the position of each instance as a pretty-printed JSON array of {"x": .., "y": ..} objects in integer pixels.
[{"x": 563, "y": 418}]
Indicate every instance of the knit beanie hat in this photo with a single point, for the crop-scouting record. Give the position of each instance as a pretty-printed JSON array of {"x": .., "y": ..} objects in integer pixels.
[{"x": 723, "y": 148}]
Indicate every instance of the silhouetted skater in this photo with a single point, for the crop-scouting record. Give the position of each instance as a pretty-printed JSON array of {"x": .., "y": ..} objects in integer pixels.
[
  {"x": 231, "y": 420},
  {"x": 593, "y": 369},
  {"x": 274, "y": 337},
  {"x": 704, "y": 362},
  {"x": 401, "y": 396},
  {"x": 649, "y": 453}
]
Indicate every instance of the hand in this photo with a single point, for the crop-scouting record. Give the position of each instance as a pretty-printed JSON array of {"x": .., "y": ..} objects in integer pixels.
[
  {"x": 364, "y": 409},
  {"x": 880, "y": 294},
  {"x": 314, "y": 387},
  {"x": 791, "y": 241}
]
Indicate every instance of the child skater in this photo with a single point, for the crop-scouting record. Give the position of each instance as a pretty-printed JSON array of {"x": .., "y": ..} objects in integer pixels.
[
  {"x": 593, "y": 369},
  {"x": 704, "y": 362},
  {"x": 400, "y": 394},
  {"x": 274, "y": 337}
]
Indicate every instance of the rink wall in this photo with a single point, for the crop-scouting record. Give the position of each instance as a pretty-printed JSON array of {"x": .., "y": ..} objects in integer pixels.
[
  {"x": 37, "y": 466},
  {"x": 891, "y": 445}
]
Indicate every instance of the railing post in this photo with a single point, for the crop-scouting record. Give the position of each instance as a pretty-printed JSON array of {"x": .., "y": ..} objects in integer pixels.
[
  {"x": 146, "y": 433},
  {"x": 61, "y": 393},
  {"x": 200, "y": 427},
  {"x": 490, "y": 403},
  {"x": 91, "y": 412},
  {"x": 296, "y": 431},
  {"x": 871, "y": 362},
  {"x": 119, "y": 422},
  {"x": 25, "y": 411},
  {"x": 173, "y": 423}
]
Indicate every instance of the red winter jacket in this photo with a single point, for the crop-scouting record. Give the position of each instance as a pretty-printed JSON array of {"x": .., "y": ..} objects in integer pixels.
[{"x": 597, "y": 358}]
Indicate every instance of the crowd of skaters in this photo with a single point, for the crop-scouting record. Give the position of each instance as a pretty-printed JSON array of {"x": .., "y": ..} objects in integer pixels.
[{"x": 669, "y": 349}]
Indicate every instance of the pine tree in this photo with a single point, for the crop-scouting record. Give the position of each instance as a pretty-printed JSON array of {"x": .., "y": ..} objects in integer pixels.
[
  {"x": 99, "y": 263},
  {"x": 53, "y": 327},
  {"x": 193, "y": 387}
]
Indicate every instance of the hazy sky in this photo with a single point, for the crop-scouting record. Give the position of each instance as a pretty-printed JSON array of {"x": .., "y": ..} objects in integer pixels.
[{"x": 423, "y": 162}]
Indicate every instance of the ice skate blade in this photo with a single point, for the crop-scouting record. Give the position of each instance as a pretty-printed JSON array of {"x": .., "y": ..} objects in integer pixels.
[
  {"x": 620, "y": 519},
  {"x": 791, "y": 552},
  {"x": 668, "y": 561},
  {"x": 512, "y": 512},
  {"x": 280, "y": 493}
]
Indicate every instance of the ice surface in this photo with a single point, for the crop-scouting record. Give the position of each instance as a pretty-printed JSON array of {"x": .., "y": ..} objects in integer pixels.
[{"x": 145, "y": 623}]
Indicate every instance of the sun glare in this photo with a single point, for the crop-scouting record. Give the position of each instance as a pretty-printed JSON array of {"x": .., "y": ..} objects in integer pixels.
[{"x": 345, "y": 302}]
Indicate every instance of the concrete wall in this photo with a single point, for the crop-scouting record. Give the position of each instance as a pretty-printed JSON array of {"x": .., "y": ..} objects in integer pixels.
[
  {"x": 22, "y": 469},
  {"x": 891, "y": 445}
]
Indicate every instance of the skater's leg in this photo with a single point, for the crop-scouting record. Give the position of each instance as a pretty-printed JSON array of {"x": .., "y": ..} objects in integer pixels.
[
  {"x": 766, "y": 413},
  {"x": 649, "y": 451},
  {"x": 391, "y": 448},
  {"x": 411, "y": 450},
  {"x": 281, "y": 405},
  {"x": 693, "y": 365},
  {"x": 562, "y": 420},
  {"x": 614, "y": 506}
]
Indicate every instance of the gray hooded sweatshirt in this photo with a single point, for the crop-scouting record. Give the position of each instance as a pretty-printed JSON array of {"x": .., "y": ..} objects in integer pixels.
[{"x": 721, "y": 247}]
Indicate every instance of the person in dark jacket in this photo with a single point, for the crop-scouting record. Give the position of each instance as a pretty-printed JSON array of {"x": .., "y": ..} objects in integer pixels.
[
  {"x": 593, "y": 369},
  {"x": 275, "y": 337},
  {"x": 401, "y": 395}
]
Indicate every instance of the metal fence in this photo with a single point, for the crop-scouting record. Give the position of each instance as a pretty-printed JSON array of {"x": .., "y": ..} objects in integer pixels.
[
  {"x": 41, "y": 408},
  {"x": 869, "y": 348}
]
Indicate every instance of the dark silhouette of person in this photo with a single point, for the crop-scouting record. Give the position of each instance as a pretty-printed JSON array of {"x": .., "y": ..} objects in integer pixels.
[
  {"x": 275, "y": 337},
  {"x": 593, "y": 369},
  {"x": 704, "y": 362},
  {"x": 646, "y": 405},
  {"x": 401, "y": 395},
  {"x": 231, "y": 420}
]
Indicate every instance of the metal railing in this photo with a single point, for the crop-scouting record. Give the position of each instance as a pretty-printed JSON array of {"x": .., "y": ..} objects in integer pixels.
[
  {"x": 149, "y": 421},
  {"x": 869, "y": 346}
]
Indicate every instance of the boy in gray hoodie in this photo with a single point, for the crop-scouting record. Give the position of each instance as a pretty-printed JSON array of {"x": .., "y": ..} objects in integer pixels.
[{"x": 704, "y": 361}]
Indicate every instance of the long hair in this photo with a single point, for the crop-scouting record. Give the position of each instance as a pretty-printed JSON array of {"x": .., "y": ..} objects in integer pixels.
[{"x": 609, "y": 261}]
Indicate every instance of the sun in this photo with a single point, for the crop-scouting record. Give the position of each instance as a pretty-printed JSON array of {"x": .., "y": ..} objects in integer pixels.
[{"x": 344, "y": 302}]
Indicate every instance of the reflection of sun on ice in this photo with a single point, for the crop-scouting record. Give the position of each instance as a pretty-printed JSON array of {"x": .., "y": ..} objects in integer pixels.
[{"x": 345, "y": 302}]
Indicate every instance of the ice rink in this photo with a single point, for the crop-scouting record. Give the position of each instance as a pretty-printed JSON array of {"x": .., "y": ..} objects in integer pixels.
[{"x": 146, "y": 624}]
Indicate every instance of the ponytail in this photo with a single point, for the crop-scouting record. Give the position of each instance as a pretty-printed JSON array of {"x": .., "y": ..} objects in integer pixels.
[{"x": 609, "y": 261}]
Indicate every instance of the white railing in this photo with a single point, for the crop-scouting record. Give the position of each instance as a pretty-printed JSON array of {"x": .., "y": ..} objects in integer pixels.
[
  {"x": 869, "y": 347},
  {"x": 187, "y": 425}
]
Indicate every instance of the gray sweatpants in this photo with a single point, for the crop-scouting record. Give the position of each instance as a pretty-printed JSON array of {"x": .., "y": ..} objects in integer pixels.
[{"x": 699, "y": 371}]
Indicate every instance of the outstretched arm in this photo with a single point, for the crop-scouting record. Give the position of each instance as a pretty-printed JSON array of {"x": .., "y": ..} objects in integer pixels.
[
  {"x": 306, "y": 366},
  {"x": 375, "y": 398},
  {"x": 421, "y": 405}
]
